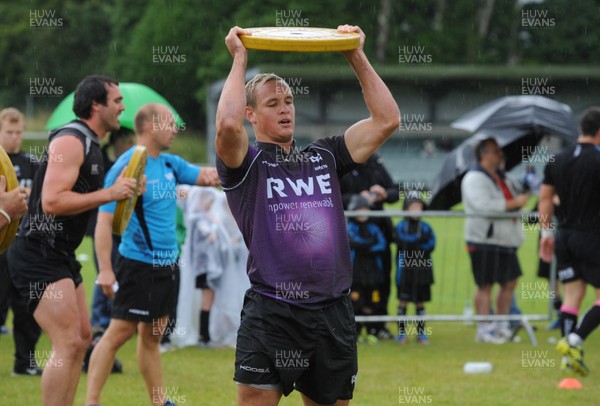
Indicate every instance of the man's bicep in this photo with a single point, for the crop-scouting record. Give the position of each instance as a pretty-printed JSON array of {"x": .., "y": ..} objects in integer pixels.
[
  {"x": 360, "y": 140},
  {"x": 65, "y": 156}
]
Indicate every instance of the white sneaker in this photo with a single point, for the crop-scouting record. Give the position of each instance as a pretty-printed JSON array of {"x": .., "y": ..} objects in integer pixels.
[
  {"x": 487, "y": 334},
  {"x": 502, "y": 330},
  {"x": 487, "y": 337}
]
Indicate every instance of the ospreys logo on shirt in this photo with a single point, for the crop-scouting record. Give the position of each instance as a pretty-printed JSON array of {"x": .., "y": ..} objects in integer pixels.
[{"x": 315, "y": 159}]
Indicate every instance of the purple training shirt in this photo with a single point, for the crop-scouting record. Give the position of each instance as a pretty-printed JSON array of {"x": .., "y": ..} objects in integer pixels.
[{"x": 289, "y": 209}]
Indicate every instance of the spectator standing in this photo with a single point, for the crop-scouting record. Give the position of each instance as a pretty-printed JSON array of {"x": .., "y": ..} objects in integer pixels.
[{"x": 492, "y": 242}]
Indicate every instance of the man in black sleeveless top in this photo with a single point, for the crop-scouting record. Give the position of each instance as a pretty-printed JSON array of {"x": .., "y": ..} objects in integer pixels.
[{"x": 42, "y": 264}]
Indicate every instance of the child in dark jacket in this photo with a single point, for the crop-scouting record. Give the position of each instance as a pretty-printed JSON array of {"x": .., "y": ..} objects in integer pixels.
[
  {"x": 366, "y": 246},
  {"x": 414, "y": 276}
]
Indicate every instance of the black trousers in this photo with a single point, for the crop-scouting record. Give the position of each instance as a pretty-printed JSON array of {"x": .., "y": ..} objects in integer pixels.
[{"x": 26, "y": 331}]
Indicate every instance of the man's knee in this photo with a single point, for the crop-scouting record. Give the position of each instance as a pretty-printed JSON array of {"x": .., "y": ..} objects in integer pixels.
[
  {"x": 118, "y": 333},
  {"x": 248, "y": 395},
  {"x": 150, "y": 335},
  {"x": 70, "y": 346}
]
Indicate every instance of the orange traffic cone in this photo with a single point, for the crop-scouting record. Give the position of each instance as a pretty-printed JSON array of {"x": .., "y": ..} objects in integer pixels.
[{"x": 570, "y": 383}]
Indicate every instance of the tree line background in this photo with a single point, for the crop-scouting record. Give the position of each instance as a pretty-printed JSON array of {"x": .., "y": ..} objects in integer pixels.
[{"x": 119, "y": 38}]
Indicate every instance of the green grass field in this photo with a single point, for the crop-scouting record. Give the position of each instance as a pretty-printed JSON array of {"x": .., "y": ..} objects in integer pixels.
[{"x": 389, "y": 374}]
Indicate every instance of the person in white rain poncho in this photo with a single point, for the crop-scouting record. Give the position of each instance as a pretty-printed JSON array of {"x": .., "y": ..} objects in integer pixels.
[{"x": 213, "y": 258}]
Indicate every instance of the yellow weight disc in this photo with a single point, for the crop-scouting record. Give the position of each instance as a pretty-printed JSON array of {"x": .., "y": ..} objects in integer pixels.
[
  {"x": 300, "y": 39},
  {"x": 7, "y": 234},
  {"x": 135, "y": 169}
]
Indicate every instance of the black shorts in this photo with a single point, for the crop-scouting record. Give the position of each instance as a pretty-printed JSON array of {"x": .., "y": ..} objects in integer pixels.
[
  {"x": 202, "y": 282},
  {"x": 543, "y": 269},
  {"x": 578, "y": 256},
  {"x": 414, "y": 293},
  {"x": 311, "y": 350},
  {"x": 146, "y": 291},
  {"x": 493, "y": 264},
  {"x": 33, "y": 266}
]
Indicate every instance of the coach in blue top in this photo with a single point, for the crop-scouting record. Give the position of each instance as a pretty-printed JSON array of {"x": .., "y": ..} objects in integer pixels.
[{"x": 146, "y": 270}]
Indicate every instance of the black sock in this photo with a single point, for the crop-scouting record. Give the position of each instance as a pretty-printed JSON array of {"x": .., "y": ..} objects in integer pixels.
[
  {"x": 204, "y": 316},
  {"x": 589, "y": 323},
  {"x": 557, "y": 303},
  {"x": 568, "y": 323},
  {"x": 421, "y": 323},
  {"x": 401, "y": 324}
]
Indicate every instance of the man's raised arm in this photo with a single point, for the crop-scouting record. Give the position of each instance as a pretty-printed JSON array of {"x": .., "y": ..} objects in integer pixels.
[
  {"x": 232, "y": 139},
  {"x": 364, "y": 137}
]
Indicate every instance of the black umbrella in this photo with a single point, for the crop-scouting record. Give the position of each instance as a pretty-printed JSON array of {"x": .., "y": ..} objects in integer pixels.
[{"x": 517, "y": 123}]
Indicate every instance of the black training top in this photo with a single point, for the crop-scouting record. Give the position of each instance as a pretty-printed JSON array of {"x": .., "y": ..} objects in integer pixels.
[
  {"x": 575, "y": 176},
  {"x": 25, "y": 167},
  {"x": 64, "y": 233}
]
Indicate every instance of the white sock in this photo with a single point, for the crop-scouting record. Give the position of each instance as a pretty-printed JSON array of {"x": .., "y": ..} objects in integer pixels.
[{"x": 574, "y": 340}]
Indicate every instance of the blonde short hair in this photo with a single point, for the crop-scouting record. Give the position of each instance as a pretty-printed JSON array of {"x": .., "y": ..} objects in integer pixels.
[
  {"x": 258, "y": 81},
  {"x": 12, "y": 115}
]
